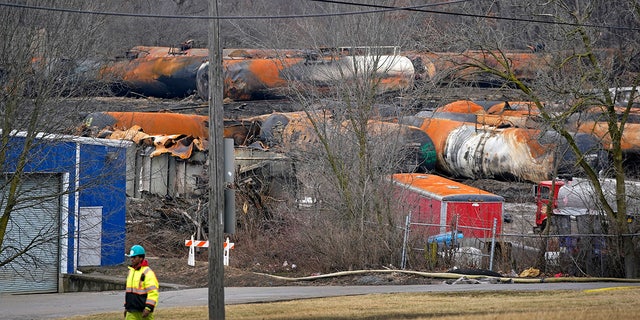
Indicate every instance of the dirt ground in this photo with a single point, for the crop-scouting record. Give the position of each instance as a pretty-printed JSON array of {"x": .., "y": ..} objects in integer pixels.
[{"x": 177, "y": 271}]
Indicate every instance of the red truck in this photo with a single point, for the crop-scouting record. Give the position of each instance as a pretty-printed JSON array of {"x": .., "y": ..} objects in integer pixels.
[
  {"x": 441, "y": 205},
  {"x": 545, "y": 192},
  {"x": 576, "y": 197}
]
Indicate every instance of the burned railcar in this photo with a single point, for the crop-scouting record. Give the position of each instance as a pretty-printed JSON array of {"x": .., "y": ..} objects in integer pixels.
[
  {"x": 251, "y": 74},
  {"x": 471, "y": 150},
  {"x": 265, "y": 78},
  {"x": 164, "y": 72}
]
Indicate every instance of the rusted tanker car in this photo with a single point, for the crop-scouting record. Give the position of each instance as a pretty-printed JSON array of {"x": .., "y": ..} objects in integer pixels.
[
  {"x": 526, "y": 66},
  {"x": 525, "y": 114},
  {"x": 470, "y": 150},
  {"x": 294, "y": 132},
  {"x": 264, "y": 78},
  {"x": 454, "y": 67},
  {"x": 594, "y": 122},
  {"x": 164, "y": 72},
  {"x": 249, "y": 74}
]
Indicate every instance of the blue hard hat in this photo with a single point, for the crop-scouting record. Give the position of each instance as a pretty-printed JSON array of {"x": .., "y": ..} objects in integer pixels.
[{"x": 136, "y": 250}]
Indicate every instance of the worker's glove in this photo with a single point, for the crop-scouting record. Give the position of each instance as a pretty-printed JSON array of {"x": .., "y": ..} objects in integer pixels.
[
  {"x": 145, "y": 312},
  {"x": 125, "y": 313}
]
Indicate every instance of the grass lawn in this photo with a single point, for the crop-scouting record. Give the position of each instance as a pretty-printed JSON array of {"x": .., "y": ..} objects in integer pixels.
[{"x": 619, "y": 303}]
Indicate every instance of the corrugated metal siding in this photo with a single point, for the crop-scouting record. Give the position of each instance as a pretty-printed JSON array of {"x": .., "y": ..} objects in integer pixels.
[
  {"x": 103, "y": 184},
  {"x": 475, "y": 219},
  {"x": 37, "y": 217}
]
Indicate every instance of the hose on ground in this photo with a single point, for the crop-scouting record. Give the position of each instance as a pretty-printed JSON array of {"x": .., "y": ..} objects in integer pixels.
[{"x": 449, "y": 275}]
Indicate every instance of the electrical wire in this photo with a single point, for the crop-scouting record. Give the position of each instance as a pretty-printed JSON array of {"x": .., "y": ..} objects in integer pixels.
[
  {"x": 380, "y": 9},
  {"x": 470, "y": 15},
  {"x": 295, "y": 16}
]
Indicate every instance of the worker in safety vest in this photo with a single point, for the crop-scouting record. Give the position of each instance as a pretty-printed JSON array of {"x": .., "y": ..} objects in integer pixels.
[{"x": 141, "y": 295}]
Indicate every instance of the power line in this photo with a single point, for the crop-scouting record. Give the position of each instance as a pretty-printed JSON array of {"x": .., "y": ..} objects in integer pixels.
[
  {"x": 380, "y": 9},
  {"x": 295, "y": 16},
  {"x": 470, "y": 15}
]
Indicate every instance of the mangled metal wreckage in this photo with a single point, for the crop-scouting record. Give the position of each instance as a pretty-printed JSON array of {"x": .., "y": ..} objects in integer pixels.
[
  {"x": 171, "y": 159},
  {"x": 457, "y": 144}
]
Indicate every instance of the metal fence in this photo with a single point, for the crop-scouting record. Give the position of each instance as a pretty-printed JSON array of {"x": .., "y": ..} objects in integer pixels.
[
  {"x": 552, "y": 253},
  {"x": 595, "y": 255},
  {"x": 447, "y": 249}
]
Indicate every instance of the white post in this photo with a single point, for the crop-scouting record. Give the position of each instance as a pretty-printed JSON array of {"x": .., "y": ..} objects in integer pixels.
[
  {"x": 225, "y": 253},
  {"x": 493, "y": 243},
  {"x": 407, "y": 224},
  {"x": 192, "y": 256}
]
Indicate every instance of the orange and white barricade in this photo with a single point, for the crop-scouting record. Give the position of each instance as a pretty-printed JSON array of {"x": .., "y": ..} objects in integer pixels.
[{"x": 192, "y": 244}]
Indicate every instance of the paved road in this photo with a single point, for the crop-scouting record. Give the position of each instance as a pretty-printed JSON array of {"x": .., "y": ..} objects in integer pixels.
[{"x": 48, "y": 306}]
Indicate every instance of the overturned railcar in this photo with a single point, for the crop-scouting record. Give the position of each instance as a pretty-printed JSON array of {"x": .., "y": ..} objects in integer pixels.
[
  {"x": 593, "y": 121},
  {"x": 525, "y": 114},
  {"x": 249, "y": 74},
  {"x": 474, "y": 151},
  {"x": 454, "y": 67},
  {"x": 526, "y": 65},
  {"x": 264, "y": 78},
  {"x": 295, "y": 132},
  {"x": 164, "y": 72},
  {"x": 521, "y": 114}
]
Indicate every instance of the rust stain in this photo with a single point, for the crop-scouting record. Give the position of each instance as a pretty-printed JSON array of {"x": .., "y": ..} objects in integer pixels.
[
  {"x": 154, "y": 123},
  {"x": 503, "y": 121},
  {"x": 630, "y": 140},
  {"x": 530, "y": 139},
  {"x": 438, "y": 130},
  {"x": 250, "y": 79},
  {"x": 461, "y": 106},
  {"x": 521, "y": 114}
]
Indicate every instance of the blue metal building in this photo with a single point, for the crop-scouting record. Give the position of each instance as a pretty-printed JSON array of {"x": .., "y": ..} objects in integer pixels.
[{"x": 80, "y": 184}]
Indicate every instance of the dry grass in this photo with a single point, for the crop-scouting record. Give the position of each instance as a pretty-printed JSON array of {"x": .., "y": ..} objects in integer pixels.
[{"x": 619, "y": 304}]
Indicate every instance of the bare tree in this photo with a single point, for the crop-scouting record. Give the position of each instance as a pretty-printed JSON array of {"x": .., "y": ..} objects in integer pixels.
[
  {"x": 583, "y": 60},
  {"x": 46, "y": 58},
  {"x": 345, "y": 157}
]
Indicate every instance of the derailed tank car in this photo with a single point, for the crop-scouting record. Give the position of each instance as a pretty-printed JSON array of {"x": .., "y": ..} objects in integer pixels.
[
  {"x": 294, "y": 132},
  {"x": 264, "y": 78},
  {"x": 164, "y": 72},
  {"x": 474, "y": 151}
]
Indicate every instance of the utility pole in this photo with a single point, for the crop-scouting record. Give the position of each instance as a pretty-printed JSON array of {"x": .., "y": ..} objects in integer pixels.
[{"x": 216, "y": 167}]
